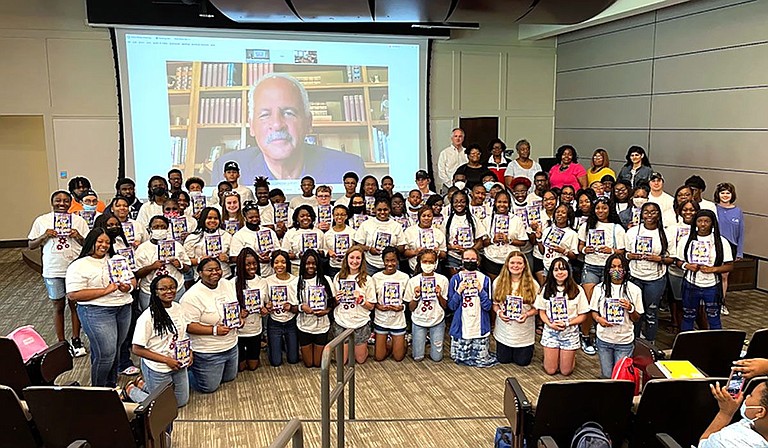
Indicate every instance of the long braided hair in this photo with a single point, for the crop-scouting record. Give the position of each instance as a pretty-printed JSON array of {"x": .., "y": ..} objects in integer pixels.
[{"x": 161, "y": 321}]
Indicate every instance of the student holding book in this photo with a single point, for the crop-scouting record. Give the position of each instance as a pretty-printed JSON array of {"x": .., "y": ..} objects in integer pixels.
[
  {"x": 180, "y": 225},
  {"x": 263, "y": 240},
  {"x": 338, "y": 239},
  {"x": 368, "y": 187},
  {"x": 323, "y": 208},
  {"x": 209, "y": 241},
  {"x": 436, "y": 202},
  {"x": 251, "y": 292},
  {"x": 101, "y": 284},
  {"x": 599, "y": 237},
  {"x": 315, "y": 296},
  {"x": 302, "y": 235},
  {"x": 266, "y": 210},
  {"x": 161, "y": 340},
  {"x": 133, "y": 232},
  {"x": 558, "y": 239},
  {"x": 422, "y": 237},
  {"x": 282, "y": 305},
  {"x": 377, "y": 233},
  {"x": 425, "y": 295},
  {"x": 214, "y": 315},
  {"x": 679, "y": 230},
  {"x": 538, "y": 229},
  {"x": 355, "y": 298},
  {"x": 462, "y": 231},
  {"x": 159, "y": 256},
  {"x": 585, "y": 202},
  {"x": 469, "y": 299},
  {"x": 282, "y": 211},
  {"x": 616, "y": 305},
  {"x": 389, "y": 318},
  {"x": 507, "y": 233},
  {"x": 514, "y": 292},
  {"x": 357, "y": 213},
  {"x": 60, "y": 234},
  {"x": 704, "y": 257},
  {"x": 562, "y": 306},
  {"x": 649, "y": 251},
  {"x": 231, "y": 214}
]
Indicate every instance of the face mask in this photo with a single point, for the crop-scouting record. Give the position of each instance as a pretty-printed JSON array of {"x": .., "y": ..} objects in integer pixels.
[
  {"x": 89, "y": 208},
  {"x": 743, "y": 411},
  {"x": 428, "y": 268},
  {"x": 616, "y": 274},
  {"x": 159, "y": 191},
  {"x": 159, "y": 234},
  {"x": 460, "y": 184},
  {"x": 356, "y": 210},
  {"x": 488, "y": 185},
  {"x": 252, "y": 226},
  {"x": 171, "y": 214},
  {"x": 113, "y": 231},
  {"x": 470, "y": 265},
  {"x": 639, "y": 202}
]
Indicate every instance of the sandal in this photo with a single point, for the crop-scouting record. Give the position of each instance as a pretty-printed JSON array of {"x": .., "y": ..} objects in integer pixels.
[{"x": 131, "y": 371}]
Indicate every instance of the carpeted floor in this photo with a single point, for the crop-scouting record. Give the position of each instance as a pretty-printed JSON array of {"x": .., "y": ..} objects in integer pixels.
[{"x": 404, "y": 404}]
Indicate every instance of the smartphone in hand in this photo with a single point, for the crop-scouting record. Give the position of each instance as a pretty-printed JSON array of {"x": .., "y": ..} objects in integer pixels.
[{"x": 735, "y": 383}]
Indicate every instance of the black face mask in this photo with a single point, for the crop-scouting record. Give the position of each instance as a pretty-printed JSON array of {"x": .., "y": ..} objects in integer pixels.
[
  {"x": 159, "y": 191},
  {"x": 470, "y": 265},
  {"x": 252, "y": 226},
  {"x": 353, "y": 210},
  {"x": 112, "y": 232}
]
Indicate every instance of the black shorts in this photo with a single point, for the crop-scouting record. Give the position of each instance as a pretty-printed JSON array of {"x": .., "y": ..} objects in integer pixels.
[
  {"x": 306, "y": 339},
  {"x": 489, "y": 267},
  {"x": 538, "y": 265}
]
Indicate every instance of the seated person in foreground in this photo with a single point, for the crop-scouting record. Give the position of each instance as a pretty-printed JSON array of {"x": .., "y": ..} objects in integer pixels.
[{"x": 751, "y": 431}]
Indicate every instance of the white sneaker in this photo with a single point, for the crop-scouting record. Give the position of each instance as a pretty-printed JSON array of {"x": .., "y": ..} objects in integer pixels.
[
  {"x": 588, "y": 347},
  {"x": 78, "y": 350},
  {"x": 724, "y": 311}
]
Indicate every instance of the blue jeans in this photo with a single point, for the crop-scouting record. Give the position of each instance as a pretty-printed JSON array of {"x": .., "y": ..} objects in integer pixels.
[
  {"x": 371, "y": 269},
  {"x": 610, "y": 354},
  {"x": 209, "y": 370},
  {"x": 653, "y": 290},
  {"x": 693, "y": 297},
  {"x": 106, "y": 328},
  {"x": 179, "y": 378},
  {"x": 279, "y": 335},
  {"x": 436, "y": 338}
]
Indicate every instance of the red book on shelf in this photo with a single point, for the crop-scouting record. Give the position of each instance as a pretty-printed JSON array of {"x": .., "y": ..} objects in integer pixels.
[
  {"x": 347, "y": 109},
  {"x": 227, "y": 111}
]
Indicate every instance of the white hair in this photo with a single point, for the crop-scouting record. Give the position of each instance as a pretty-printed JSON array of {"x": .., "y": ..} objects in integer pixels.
[{"x": 289, "y": 78}]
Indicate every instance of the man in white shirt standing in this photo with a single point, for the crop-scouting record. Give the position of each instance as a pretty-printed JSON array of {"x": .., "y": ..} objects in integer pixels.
[
  {"x": 665, "y": 201},
  {"x": 451, "y": 158},
  {"x": 232, "y": 174}
]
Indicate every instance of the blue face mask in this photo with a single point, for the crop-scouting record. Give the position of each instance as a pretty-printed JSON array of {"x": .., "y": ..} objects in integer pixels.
[
  {"x": 488, "y": 185},
  {"x": 89, "y": 208}
]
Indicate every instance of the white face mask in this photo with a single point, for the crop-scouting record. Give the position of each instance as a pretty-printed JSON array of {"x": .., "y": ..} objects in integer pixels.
[
  {"x": 460, "y": 184},
  {"x": 639, "y": 202},
  {"x": 488, "y": 186},
  {"x": 428, "y": 268},
  {"x": 159, "y": 234},
  {"x": 743, "y": 411}
]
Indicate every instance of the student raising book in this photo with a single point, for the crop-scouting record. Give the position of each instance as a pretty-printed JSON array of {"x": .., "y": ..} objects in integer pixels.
[
  {"x": 356, "y": 297},
  {"x": 316, "y": 300},
  {"x": 282, "y": 305},
  {"x": 425, "y": 294},
  {"x": 338, "y": 239},
  {"x": 389, "y": 318},
  {"x": 514, "y": 292},
  {"x": 377, "y": 233},
  {"x": 462, "y": 231},
  {"x": 423, "y": 236},
  {"x": 263, "y": 240},
  {"x": 302, "y": 235},
  {"x": 251, "y": 291},
  {"x": 152, "y": 262},
  {"x": 209, "y": 241}
]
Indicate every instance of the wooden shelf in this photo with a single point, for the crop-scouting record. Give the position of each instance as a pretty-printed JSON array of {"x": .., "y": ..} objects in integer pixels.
[
  {"x": 180, "y": 127},
  {"x": 179, "y": 92},
  {"x": 345, "y": 86},
  {"x": 338, "y": 124},
  {"x": 223, "y": 89},
  {"x": 375, "y": 165},
  {"x": 220, "y": 125}
]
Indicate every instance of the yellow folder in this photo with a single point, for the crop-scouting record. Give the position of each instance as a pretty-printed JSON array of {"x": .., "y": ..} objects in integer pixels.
[{"x": 679, "y": 369}]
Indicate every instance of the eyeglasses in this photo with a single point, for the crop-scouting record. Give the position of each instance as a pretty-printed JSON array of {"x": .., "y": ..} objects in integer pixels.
[
  {"x": 169, "y": 289},
  {"x": 211, "y": 270}
]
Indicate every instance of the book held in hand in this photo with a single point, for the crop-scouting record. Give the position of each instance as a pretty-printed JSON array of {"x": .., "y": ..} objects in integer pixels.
[
  {"x": 369, "y": 204},
  {"x": 644, "y": 245},
  {"x": 464, "y": 237},
  {"x": 281, "y": 212},
  {"x": 513, "y": 307},
  {"x": 635, "y": 216},
  {"x": 428, "y": 288},
  {"x": 522, "y": 213},
  {"x": 383, "y": 239},
  {"x": 324, "y": 213},
  {"x": 347, "y": 288},
  {"x": 558, "y": 309},
  {"x": 119, "y": 270},
  {"x": 469, "y": 279},
  {"x": 231, "y": 226},
  {"x": 279, "y": 296},
  {"x": 682, "y": 235},
  {"x": 427, "y": 238},
  {"x": 391, "y": 294},
  {"x": 341, "y": 243},
  {"x": 554, "y": 237},
  {"x": 500, "y": 224},
  {"x": 596, "y": 238},
  {"x": 166, "y": 250},
  {"x": 127, "y": 252},
  {"x": 316, "y": 297},
  {"x": 308, "y": 241},
  {"x": 478, "y": 211},
  {"x": 213, "y": 246},
  {"x": 183, "y": 352},
  {"x": 252, "y": 299},
  {"x": 198, "y": 202},
  {"x": 179, "y": 227},
  {"x": 231, "y": 315},
  {"x": 265, "y": 241},
  {"x": 62, "y": 223},
  {"x": 534, "y": 213},
  {"x": 130, "y": 235},
  {"x": 701, "y": 252},
  {"x": 614, "y": 313},
  {"x": 89, "y": 216},
  {"x": 357, "y": 220}
]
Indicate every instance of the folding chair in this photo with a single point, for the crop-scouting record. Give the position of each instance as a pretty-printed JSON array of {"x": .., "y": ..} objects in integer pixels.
[
  {"x": 41, "y": 369},
  {"x": 16, "y": 425},
  {"x": 758, "y": 345}
]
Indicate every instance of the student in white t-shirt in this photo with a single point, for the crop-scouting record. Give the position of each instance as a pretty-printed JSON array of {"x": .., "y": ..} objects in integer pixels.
[
  {"x": 389, "y": 318},
  {"x": 149, "y": 265},
  {"x": 209, "y": 240},
  {"x": 506, "y": 232},
  {"x": 134, "y": 233},
  {"x": 323, "y": 198},
  {"x": 616, "y": 305},
  {"x": 427, "y": 309},
  {"x": 315, "y": 296},
  {"x": 679, "y": 230},
  {"x": 378, "y": 232},
  {"x": 557, "y": 239},
  {"x": 560, "y": 337},
  {"x": 338, "y": 239},
  {"x": 251, "y": 292},
  {"x": 211, "y": 307},
  {"x": 422, "y": 237},
  {"x": 355, "y": 301},
  {"x": 548, "y": 206},
  {"x": 160, "y": 340},
  {"x": 60, "y": 248},
  {"x": 104, "y": 303},
  {"x": 282, "y": 305},
  {"x": 266, "y": 210},
  {"x": 255, "y": 235},
  {"x": 650, "y": 250},
  {"x": 703, "y": 257},
  {"x": 302, "y": 235},
  {"x": 462, "y": 223},
  {"x": 514, "y": 292}
]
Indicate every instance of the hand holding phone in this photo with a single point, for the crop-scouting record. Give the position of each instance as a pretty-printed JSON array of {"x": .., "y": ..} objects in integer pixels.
[{"x": 735, "y": 383}]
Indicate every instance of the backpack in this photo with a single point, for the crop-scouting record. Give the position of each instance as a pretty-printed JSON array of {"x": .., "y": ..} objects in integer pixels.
[
  {"x": 28, "y": 341},
  {"x": 590, "y": 435},
  {"x": 503, "y": 437},
  {"x": 625, "y": 370}
]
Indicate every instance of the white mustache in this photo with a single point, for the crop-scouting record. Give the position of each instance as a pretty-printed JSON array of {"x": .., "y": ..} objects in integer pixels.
[{"x": 279, "y": 135}]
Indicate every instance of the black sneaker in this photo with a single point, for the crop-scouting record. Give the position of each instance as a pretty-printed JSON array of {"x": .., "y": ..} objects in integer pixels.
[
  {"x": 587, "y": 346},
  {"x": 76, "y": 348}
]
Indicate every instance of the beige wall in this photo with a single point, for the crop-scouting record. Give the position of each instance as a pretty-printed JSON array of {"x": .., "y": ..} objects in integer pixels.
[
  {"x": 489, "y": 73},
  {"x": 689, "y": 84}
]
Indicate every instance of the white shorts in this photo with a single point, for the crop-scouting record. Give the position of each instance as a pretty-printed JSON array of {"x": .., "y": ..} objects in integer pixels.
[{"x": 567, "y": 339}]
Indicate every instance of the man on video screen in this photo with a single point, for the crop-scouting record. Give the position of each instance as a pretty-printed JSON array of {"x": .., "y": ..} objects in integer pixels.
[{"x": 279, "y": 119}]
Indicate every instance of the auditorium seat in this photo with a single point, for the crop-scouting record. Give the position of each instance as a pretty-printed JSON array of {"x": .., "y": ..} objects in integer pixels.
[
  {"x": 41, "y": 369},
  {"x": 758, "y": 345},
  {"x": 16, "y": 427}
]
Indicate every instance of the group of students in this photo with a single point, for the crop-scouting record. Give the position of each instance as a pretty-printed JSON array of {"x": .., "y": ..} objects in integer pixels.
[{"x": 192, "y": 284}]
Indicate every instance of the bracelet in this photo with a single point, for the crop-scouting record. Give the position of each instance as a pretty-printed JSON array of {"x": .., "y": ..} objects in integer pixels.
[
  {"x": 215, "y": 330},
  {"x": 682, "y": 266},
  {"x": 632, "y": 309}
]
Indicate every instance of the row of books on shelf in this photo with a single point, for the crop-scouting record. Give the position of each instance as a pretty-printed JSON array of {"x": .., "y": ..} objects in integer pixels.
[
  {"x": 354, "y": 73},
  {"x": 178, "y": 150},
  {"x": 182, "y": 79},
  {"x": 221, "y": 111},
  {"x": 219, "y": 75},
  {"x": 354, "y": 108},
  {"x": 380, "y": 146},
  {"x": 320, "y": 111},
  {"x": 256, "y": 71}
]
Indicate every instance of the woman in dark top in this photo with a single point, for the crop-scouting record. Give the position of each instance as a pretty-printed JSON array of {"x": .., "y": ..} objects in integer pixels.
[
  {"x": 474, "y": 170},
  {"x": 638, "y": 169}
]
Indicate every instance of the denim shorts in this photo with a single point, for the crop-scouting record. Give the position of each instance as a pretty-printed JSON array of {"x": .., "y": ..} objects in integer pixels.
[
  {"x": 567, "y": 339},
  {"x": 56, "y": 288},
  {"x": 591, "y": 274},
  {"x": 393, "y": 331},
  {"x": 361, "y": 334}
]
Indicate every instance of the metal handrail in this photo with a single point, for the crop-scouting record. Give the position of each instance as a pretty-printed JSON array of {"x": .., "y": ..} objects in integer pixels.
[
  {"x": 345, "y": 373},
  {"x": 294, "y": 432}
]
